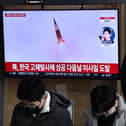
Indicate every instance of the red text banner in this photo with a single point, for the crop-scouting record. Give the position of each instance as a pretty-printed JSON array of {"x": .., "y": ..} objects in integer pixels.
[{"x": 61, "y": 67}]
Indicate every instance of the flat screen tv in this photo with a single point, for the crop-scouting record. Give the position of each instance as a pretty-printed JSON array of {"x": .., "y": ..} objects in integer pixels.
[{"x": 61, "y": 43}]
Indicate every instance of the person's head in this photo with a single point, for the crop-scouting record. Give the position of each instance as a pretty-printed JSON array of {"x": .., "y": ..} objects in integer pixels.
[
  {"x": 31, "y": 91},
  {"x": 103, "y": 100},
  {"x": 107, "y": 34}
]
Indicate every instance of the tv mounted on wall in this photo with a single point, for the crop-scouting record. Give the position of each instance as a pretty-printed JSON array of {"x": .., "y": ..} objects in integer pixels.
[{"x": 61, "y": 43}]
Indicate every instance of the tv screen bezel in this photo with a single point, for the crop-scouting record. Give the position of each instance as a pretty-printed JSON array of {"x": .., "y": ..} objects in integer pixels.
[{"x": 61, "y": 75}]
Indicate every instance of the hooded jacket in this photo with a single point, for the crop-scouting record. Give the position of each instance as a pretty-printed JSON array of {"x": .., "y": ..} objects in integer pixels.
[
  {"x": 120, "y": 119},
  {"x": 57, "y": 115}
]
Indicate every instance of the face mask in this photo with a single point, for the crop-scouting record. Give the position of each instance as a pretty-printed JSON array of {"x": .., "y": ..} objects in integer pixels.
[
  {"x": 35, "y": 110},
  {"x": 107, "y": 120},
  {"x": 108, "y": 116}
]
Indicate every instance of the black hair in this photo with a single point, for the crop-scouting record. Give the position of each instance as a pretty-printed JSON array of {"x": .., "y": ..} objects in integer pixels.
[
  {"x": 108, "y": 30},
  {"x": 102, "y": 98},
  {"x": 30, "y": 89}
]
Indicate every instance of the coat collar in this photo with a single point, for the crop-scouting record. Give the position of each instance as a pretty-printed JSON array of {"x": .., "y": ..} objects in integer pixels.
[{"x": 46, "y": 107}]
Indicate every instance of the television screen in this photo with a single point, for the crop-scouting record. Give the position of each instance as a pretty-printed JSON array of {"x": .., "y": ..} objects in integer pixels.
[{"x": 61, "y": 43}]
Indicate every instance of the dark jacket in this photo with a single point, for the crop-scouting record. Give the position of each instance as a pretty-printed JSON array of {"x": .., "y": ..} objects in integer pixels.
[{"x": 57, "y": 116}]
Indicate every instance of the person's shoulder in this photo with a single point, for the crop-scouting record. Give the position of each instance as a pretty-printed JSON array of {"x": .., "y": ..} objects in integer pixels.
[
  {"x": 59, "y": 103},
  {"x": 62, "y": 112},
  {"x": 122, "y": 104},
  {"x": 18, "y": 106},
  {"x": 60, "y": 100},
  {"x": 60, "y": 109},
  {"x": 122, "y": 117}
]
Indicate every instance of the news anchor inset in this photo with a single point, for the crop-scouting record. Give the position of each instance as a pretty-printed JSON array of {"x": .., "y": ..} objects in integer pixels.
[{"x": 107, "y": 35}]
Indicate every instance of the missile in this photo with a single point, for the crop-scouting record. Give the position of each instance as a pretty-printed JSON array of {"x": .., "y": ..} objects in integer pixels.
[{"x": 58, "y": 33}]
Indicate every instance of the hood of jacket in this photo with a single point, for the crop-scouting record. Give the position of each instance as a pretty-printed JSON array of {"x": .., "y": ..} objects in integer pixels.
[
  {"x": 59, "y": 100},
  {"x": 53, "y": 101},
  {"x": 122, "y": 105}
]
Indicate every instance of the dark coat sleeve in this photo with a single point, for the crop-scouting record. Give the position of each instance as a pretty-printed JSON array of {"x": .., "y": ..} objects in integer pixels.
[
  {"x": 63, "y": 117},
  {"x": 13, "y": 119}
]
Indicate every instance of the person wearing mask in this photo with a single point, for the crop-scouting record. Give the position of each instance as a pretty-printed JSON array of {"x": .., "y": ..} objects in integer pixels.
[
  {"x": 106, "y": 35},
  {"x": 39, "y": 107},
  {"x": 107, "y": 108}
]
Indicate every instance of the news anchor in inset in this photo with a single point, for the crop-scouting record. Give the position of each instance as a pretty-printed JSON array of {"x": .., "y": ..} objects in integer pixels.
[
  {"x": 107, "y": 36},
  {"x": 38, "y": 107},
  {"x": 107, "y": 108}
]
